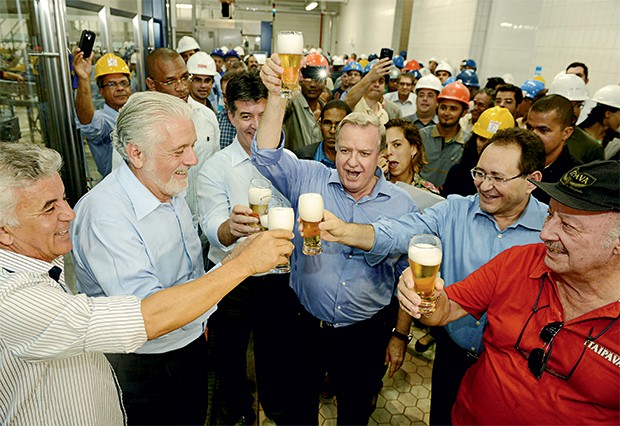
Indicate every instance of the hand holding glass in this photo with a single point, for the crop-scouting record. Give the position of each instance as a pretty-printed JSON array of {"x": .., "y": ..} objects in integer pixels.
[
  {"x": 425, "y": 259},
  {"x": 290, "y": 48},
  {"x": 281, "y": 217},
  {"x": 311, "y": 214}
]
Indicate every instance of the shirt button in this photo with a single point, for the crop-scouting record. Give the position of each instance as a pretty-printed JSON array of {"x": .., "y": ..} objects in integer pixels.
[
  {"x": 350, "y": 256},
  {"x": 500, "y": 235},
  {"x": 344, "y": 283},
  {"x": 338, "y": 307},
  {"x": 472, "y": 349},
  {"x": 477, "y": 322}
]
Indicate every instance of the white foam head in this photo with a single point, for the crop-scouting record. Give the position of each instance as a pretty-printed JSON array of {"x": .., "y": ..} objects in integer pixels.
[
  {"x": 311, "y": 207},
  {"x": 255, "y": 195},
  {"x": 290, "y": 42},
  {"x": 425, "y": 254},
  {"x": 281, "y": 218}
]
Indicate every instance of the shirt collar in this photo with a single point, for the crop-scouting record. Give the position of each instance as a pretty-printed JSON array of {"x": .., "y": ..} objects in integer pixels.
[
  {"x": 322, "y": 158},
  {"x": 143, "y": 201},
  {"x": 381, "y": 187},
  {"x": 16, "y": 262},
  {"x": 237, "y": 153},
  {"x": 530, "y": 217},
  {"x": 458, "y": 138},
  {"x": 108, "y": 110}
]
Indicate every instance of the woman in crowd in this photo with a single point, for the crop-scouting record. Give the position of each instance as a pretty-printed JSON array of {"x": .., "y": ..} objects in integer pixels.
[{"x": 603, "y": 122}]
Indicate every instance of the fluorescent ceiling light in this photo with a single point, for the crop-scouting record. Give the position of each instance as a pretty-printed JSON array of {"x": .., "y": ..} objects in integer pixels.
[
  {"x": 311, "y": 6},
  {"x": 183, "y": 6}
]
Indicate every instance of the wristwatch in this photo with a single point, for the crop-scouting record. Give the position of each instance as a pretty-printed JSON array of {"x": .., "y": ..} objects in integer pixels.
[{"x": 404, "y": 337}]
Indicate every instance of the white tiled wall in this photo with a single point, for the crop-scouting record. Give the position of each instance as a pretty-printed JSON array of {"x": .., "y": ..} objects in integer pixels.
[{"x": 365, "y": 26}]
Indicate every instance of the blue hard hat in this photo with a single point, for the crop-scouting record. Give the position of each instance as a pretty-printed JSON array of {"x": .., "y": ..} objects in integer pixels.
[
  {"x": 416, "y": 74},
  {"x": 232, "y": 53},
  {"x": 217, "y": 52},
  {"x": 449, "y": 80},
  {"x": 370, "y": 65},
  {"x": 531, "y": 88},
  {"x": 403, "y": 53},
  {"x": 398, "y": 61},
  {"x": 372, "y": 57},
  {"x": 468, "y": 78},
  {"x": 471, "y": 63},
  {"x": 353, "y": 66}
]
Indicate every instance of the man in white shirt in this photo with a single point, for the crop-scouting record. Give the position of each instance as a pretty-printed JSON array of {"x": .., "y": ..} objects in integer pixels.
[{"x": 404, "y": 96}]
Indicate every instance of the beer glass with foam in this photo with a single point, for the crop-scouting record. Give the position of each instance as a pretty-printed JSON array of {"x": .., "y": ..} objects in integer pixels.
[
  {"x": 290, "y": 48},
  {"x": 311, "y": 213},
  {"x": 281, "y": 216},
  {"x": 259, "y": 194},
  {"x": 425, "y": 259}
]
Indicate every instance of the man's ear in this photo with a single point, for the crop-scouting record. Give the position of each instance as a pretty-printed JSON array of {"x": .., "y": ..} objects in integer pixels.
[
  {"x": 6, "y": 238},
  {"x": 536, "y": 176},
  {"x": 150, "y": 83},
  {"x": 135, "y": 156}
]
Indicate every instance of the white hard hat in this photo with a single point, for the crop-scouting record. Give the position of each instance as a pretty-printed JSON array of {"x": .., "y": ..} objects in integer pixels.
[
  {"x": 187, "y": 43},
  {"x": 133, "y": 59},
  {"x": 570, "y": 86},
  {"x": 200, "y": 63},
  {"x": 337, "y": 61},
  {"x": 508, "y": 78},
  {"x": 429, "y": 82},
  {"x": 239, "y": 50},
  {"x": 444, "y": 66},
  {"x": 608, "y": 95},
  {"x": 224, "y": 49},
  {"x": 433, "y": 59}
]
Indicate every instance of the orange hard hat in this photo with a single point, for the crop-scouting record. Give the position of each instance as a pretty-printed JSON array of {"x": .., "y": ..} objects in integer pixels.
[
  {"x": 456, "y": 92},
  {"x": 316, "y": 60},
  {"x": 412, "y": 65}
]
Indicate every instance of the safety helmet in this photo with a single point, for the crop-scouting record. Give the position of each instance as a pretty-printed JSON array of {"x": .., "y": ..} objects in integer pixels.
[
  {"x": 455, "y": 92},
  {"x": 608, "y": 95},
  {"x": 232, "y": 53},
  {"x": 133, "y": 59},
  {"x": 470, "y": 63},
  {"x": 111, "y": 64},
  {"x": 187, "y": 43},
  {"x": 217, "y": 52},
  {"x": 240, "y": 50},
  {"x": 353, "y": 66},
  {"x": 363, "y": 62},
  {"x": 570, "y": 86},
  {"x": 372, "y": 57},
  {"x": 449, "y": 80},
  {"x": 398, "y": 61},
  {"x": 412, "y": 65},
  {"x": 444, "y": 66},
  {"x": 433, "y": 59},
  {"x": 416, "y": 74},
  {"x": 403, "y": 53},
  {"x": 394, "y": 73},
  {"x": 429, "y": 82},
  {"x": 337, "y": 61},
  {"x": 531, "y": 88},
  {"x": 316, "y": 60},
  {"x": 468, "y": 78},
  {"x": 369, "y": 65},
  {"x": 200, "y": 63},
  {"x": 492, "y": 120}
]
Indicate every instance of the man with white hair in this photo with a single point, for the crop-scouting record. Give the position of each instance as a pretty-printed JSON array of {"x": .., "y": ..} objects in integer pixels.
[{"x": 52, "y": 342}]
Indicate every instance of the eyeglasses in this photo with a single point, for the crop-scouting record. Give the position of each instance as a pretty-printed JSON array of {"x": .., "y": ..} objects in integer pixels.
[
  {"x": 114, "y": 84},
  {"x": 538, "y": 358},
  {"x": 330, "y": 124},
  {"x": 480, "y": 176},
  {"x": 175, "y": 81}
]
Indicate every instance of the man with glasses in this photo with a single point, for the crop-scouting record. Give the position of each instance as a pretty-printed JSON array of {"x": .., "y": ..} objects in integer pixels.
[
  {"x": 324, "y": 152},
  {"x": 551, "y": 118},
  {"x": 472, "y": 230},
  {"x": 553, "y": 336},
  {"x": 404, "y": 96},
  {"x": 167, "y": 73},
  {"x": 112, "y": 76}
]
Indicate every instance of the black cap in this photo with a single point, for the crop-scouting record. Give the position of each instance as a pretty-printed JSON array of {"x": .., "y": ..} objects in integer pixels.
[{"x": 591, "y": 187}]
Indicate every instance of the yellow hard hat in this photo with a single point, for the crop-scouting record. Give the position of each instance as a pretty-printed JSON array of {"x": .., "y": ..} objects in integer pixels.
[
  {"x": 363, "y": 62},
  {"x": 111, "y": 64},
  {"x": 492, "y": 120}
]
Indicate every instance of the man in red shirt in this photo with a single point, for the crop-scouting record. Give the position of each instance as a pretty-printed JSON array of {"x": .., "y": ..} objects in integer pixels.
[{"x": 553, "y": 336}]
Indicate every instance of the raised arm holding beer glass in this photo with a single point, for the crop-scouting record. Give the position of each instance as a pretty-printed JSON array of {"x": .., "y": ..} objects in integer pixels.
[{"x": 342, "y": 303}]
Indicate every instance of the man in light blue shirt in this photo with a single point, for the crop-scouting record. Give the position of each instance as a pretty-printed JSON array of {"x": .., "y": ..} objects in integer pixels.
[
  {"x": 254, "y": 306},
  {"x": 134, "y": 235},
  {"x": 473, "y": 230},
  {"x": 345, "y": 315}
]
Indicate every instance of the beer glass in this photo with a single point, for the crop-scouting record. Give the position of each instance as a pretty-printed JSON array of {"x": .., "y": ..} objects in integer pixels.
[
  {"x": 311, "y": 213},
  {"x": 425, "y": 258},
  {"x": 290, "y": 47},
  {"x": 259, "y": 194},
  {"x": 281, "y": 216}
]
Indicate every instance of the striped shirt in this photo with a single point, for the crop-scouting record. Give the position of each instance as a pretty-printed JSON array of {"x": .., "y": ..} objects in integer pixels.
[{"x": 52, "y": 367}]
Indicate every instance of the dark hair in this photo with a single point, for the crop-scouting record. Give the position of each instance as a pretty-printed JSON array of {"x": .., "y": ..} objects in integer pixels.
[
  {"x": 489, "y": 92},
  {"x": 493, "y": 82},
  {"x": 245, "y": 86},
  {"x": 563, "y": 108},
  {"x": 533, "y": 153},
  {"x": 511, "y": 88},
  {"x": 412, "y": 134},
  {"x": 597, "y": 115},
  {"x": 579, "y": 64},
  {"x": 338, "y": 104},
  {"x": 405, "y": 74}
]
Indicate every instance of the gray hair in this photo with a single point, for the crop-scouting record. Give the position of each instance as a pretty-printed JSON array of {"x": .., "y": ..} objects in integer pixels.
[
  {"x": 22, "y": 165},
  {"x": 141, "y": 119},
  {"x": 360, "y": 119}
]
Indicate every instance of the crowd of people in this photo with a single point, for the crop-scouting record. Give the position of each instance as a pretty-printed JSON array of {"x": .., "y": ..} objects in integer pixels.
[{"x": 175, "y": 275}]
